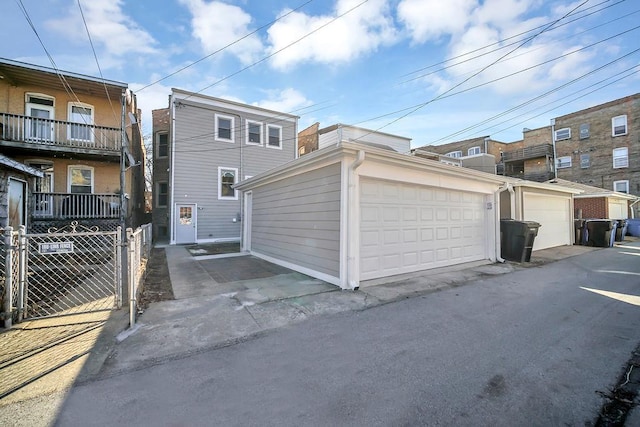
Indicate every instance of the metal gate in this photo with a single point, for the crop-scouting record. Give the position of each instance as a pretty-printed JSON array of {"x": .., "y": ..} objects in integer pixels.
[{"x": 69, "y": 271}]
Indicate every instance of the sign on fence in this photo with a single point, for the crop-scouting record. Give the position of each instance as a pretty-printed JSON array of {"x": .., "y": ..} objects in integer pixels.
[{"x": 56, "y": 248}]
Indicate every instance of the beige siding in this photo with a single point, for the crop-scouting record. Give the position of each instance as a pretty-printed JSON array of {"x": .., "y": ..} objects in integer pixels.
[{"x": 298, "y": 220}]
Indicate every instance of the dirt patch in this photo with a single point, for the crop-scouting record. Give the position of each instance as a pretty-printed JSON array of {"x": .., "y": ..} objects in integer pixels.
[
  {"x": 214, "y": 248},
  {"x": 157, "y": 284}
]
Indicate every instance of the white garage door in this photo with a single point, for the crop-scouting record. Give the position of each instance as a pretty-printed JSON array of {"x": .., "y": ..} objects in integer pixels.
[
  {"x": 554, "y": 215},
  {"x": 406, "y": 228},
  {"x": 618, "y": 209}
]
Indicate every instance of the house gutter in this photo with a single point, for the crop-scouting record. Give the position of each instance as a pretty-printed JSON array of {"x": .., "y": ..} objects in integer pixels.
[{"x": 353, "y": 241}]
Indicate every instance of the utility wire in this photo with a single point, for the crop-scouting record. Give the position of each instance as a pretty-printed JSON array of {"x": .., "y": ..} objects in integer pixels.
[
  {"x": 286, "y": 47},
  {"x": 420, "y": 106},
  {"x": 226, "y": 46}
]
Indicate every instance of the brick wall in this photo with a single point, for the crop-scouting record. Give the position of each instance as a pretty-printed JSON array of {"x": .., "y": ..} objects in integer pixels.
[
  {"x": 160, "y": 215},
  {"x": 593, "y": 207}
]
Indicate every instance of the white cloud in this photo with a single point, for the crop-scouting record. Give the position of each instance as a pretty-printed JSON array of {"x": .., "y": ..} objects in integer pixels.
[
  {"x": 431, "y": 19},
  {"x": 360, "y": 31},
  {"x": 287, "y": 101},
  {"x": 108, "y": 25},
  {"x": 216, "y": 25}
]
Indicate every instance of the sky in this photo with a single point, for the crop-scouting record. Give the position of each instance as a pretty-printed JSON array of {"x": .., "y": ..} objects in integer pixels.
[{"x": 432, "y": 70}]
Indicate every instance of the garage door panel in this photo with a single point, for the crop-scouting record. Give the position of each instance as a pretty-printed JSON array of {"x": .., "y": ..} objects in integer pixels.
[
  {"x": 553, "y": 215},
  {"x": 425, "y": 228}
]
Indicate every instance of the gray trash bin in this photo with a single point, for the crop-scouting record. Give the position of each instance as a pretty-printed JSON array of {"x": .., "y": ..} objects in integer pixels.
[{"x": 517, "y": 239}]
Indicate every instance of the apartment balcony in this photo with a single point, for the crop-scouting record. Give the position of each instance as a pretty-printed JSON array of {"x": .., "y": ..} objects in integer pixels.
[
  {"x": 526, "y": 153},
  {"x": 27, "y": 133},
  {"x": 68, "y": 206}
]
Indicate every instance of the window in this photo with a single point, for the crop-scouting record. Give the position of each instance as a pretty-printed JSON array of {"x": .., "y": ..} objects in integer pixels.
[
  {"x": 254, "y": 133},
  {"x": 162, "y": 141},
  {"x": 162, "y": 192},
  {"x": 585, "y": 161},
  {"x": 40, "y": 111},
  {"x": 620, "y": 158},
  {"x": 455, "y": 154},
  {"x": 274, "y": 133},
  {"x": 563, "y": 134},
  {"x": 226, "y": 179},
  {"x": 224, "y": 128},
  {"x": 584, "y": 131},
  {"x": 80, "y": 179},
  {"x": 563, "y": 162},
  {"x": 473, "y": 151},
  {"x": 619, "y": 125},
  {"x": 621, "y": 186},
  {"x": 82, "y": 117}
]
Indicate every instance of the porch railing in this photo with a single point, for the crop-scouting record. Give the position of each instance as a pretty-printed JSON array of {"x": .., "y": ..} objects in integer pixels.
[
  {"x": 75, "y": 206},
  {"x": 57, "y": 133},
  {"x": 528, "y": 153}
]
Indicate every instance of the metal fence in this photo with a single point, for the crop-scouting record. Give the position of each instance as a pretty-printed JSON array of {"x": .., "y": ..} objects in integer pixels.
[{"x": 70, "y": 271}]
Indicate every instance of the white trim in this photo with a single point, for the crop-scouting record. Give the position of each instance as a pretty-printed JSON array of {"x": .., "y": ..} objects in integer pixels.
[
  {"x": 218, "y": 240},
  {"x": 170, "y": 204},
  {"x": 619, "y": 157},
  {"x": 156, "y": 152},
  {"x": 245, "y": 243},
  {"x": 563, "y": 130},
  {"x": 621, "y": 181},
  {"x": 179, "y": 94},
  {"x": 91, "y": 122},
  {"x": 476, "y": 150},
  {"x": 232, "y": 128},
  {"x": 235, "y": 181},
  {"x": 455, "y": 154},
  {"x": 248, "y": 124},
  {"x": 279, "y": 147},
  {"x": 565, "y": 165},
  {"x": 80, "y": 167},
  {"x": 304, "y": 270},
  {"x": 613, "y": 125}
]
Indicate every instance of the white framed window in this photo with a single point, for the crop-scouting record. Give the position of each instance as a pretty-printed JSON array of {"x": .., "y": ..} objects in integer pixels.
[
  {"x": 585, "y": 161},
  {"x": 224, "y": 128},
  {"x": 563, "y": 162},
  {"x": 81, "y": 116},
  {"x": 80, "y": 179},
  {"x": 274, "y": 136},
  {"x": 40, "y": 109},
  {"x": 456, "y": 154},
  {"x": 619, "y": 125},
  {"x": 621, "y": 186},
  {"x": 254, "y": 133},
  {"x": 162, "y": 145},
  {"x": 585, "y": 131},
  {"x": 473, "y": 151},
  {"x": 564, "y": 133},
  {"x": 162, "y": 192},
  {"x": 227, "y": 177},
  {"x": 620, "y": 158}
]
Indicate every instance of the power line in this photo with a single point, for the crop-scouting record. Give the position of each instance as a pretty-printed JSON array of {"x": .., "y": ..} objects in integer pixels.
[
  {"x": 420, "y": 106},
  {"x": 225, "y": 47}
]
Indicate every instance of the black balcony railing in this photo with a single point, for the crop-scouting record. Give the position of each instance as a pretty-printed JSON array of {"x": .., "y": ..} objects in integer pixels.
[
  {"x": 53, "y": 134},
  {"x": 528, "y": 153},
  {"x": 75, "y": 206}
]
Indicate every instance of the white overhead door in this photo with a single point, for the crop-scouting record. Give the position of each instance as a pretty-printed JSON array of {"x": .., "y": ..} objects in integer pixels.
[
  {"x": 554, "y": 215},
  {"x": 408, "y": 227},
  {"x": 618, "y": 209}
]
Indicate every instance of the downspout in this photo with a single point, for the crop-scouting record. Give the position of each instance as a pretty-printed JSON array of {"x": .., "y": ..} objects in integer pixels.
[
  {"x": 353, "y": 273},
  {"x": 553, "y": 140},
  {"x": 172, "y": 142},
  {"x": 506, "y": 187},
  {"x": 631, "y": 208}
]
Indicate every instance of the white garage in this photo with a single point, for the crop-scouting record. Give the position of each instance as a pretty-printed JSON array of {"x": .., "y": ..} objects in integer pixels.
[
  {"x": 553, "y": 212},
  {"x": 408, "y": 227},
  {"x": 357, "y": 213},
  {"x": 618, "y": 208}
]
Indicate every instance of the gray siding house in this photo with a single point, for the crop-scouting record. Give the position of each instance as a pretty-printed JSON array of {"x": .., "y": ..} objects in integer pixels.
[{"x": 213, "y": 145}]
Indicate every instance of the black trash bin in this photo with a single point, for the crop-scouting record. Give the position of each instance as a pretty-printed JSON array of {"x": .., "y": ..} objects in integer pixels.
[
  {"x": 599, "y": 232},
  {"x": 580, "y": 234},
  {"x": 621, "y": 229},
  {"x": 517, "y": 239}
]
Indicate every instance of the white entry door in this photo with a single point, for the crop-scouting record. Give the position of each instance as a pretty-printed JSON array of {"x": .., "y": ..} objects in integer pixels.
[
  {"x": 185, "y": 223},
  {"x": 407, "y": 227},
  {"x": 39, "y": 124}
]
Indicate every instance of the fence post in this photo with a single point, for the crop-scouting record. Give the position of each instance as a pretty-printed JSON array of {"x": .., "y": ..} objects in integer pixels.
[
  {"x": 22, "y": 269},
  {"x": 8, "y": 277},
  {"x": 118, "y": 263},
  {"x": 131, "y": 279}
]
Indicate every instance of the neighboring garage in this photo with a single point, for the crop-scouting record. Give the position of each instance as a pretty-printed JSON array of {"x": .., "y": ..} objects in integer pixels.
[
  {"x": 396, "y": 214},
  {"x": 553, "y": 212}
]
